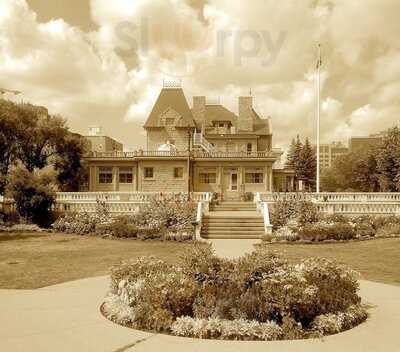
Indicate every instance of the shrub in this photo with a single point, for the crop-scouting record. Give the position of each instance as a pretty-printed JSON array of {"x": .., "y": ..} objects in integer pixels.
[
  {"x": 215, "y": 328},
  {"x": 286, "y": 211},
  {"x": 33, "y": 193},
  {"x": 167, "y": 218},
  {"x": 321, "y": 232},
  {"x": 327, "y": 324},
  {"x": 258, "y": 296}
]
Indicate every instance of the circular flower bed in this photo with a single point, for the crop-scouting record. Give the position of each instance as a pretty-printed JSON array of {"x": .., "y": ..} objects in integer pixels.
[{"x": 257, "y": 297}]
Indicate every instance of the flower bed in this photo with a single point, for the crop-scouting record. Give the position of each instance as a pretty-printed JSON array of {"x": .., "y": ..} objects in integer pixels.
[
  {"x": 166, "y": 218},
  {"x": 299, "y": 221},
  {"x": 257, "y": 297}
]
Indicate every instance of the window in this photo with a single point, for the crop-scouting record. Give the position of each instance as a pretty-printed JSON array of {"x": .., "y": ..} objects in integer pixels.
[
  {"x": 125, "y": 175},
  {"x": 221, "y": 124},
  {"x": 249, "y": 147},
  {"x": 148, "y": 172},
  {"x": 105, "y": 175},
  {"x": 254, "y": 177},
  {"x": 178, "y": 172},
  {"x": 169, "y": 121},
  {"x": 207, "y": 177}
]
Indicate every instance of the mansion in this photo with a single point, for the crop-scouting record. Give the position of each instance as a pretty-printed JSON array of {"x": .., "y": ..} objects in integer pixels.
[{"x": 203, "y": 148}]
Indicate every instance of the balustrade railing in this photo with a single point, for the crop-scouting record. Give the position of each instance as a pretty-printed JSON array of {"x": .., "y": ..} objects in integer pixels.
[
  {"x": 120, "y": 202},
  {"x": 139, "y": 153},
  {"x": 332, "y": 196}
]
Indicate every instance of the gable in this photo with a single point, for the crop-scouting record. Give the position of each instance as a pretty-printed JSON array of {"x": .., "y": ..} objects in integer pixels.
[{"x": 173, "y": 99}]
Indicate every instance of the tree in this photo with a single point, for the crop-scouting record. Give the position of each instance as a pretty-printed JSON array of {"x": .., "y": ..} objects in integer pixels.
[
  {"x": 388, "y": 161},
  {"x": 307, "y": 166},
  {"x": 8, "y": 139},
  {"x": 39, "y": 137},
  {"x": 33, "y": 193},
  {"x": 353, "y": 171},
  {"x": 28, "y": 134},
  {"x": 68, "y": 164}
]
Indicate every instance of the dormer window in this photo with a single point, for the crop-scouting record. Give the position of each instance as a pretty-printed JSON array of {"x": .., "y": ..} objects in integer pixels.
[{"x": 169, "y": 121}]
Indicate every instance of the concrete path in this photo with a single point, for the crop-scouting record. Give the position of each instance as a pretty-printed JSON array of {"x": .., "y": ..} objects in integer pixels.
[
  {"x": 232, "y": 248},
  {"x": 66, "y": 318}
]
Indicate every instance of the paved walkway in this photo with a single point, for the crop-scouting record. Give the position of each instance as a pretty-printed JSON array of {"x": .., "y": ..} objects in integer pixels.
[
  {"x": 232, "y": 248},
  {"x": 66, "y": 318}
]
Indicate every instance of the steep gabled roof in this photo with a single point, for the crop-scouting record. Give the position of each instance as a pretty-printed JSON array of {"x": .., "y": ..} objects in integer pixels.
[
  {"x": 218, "y": 113},
  {"x": 173, "y": 98}
]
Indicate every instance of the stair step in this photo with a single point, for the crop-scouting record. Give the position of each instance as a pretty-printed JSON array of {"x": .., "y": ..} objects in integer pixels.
[
  {"x": 230, "y": 237},
  {"x": 232, "y": 220},
  {"x": 233, "y": 225},
  {"x": 233, "y": 229}
]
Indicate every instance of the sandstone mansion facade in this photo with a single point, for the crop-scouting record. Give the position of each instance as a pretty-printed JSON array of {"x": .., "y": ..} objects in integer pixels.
[{"x": 205, "y": 148}]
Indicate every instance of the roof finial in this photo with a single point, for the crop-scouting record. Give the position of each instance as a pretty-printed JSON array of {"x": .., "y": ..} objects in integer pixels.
[{"x": 250, "y": 91}]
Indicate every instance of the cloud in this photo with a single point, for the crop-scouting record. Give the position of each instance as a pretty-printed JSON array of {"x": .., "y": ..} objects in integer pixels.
[{"x": 113, "y": 74}]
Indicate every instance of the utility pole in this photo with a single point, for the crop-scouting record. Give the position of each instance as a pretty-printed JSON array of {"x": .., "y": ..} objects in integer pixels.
[{"x": 319, "y": 63}]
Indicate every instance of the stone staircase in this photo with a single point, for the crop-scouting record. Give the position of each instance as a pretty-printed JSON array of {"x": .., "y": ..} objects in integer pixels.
[{"x": 232, "y": 220}]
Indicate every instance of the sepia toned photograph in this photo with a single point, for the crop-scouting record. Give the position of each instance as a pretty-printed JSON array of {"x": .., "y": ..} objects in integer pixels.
[{"x": 199, "y": 175}]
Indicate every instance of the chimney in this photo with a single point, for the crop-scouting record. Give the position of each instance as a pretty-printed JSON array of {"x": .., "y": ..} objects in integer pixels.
[
  {"x": 245, "y": 120},
  {"x": 199, "y": 110}
]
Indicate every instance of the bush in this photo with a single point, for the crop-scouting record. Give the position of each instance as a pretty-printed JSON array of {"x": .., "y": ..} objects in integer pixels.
[
  {"x": 215, "y": 328},
  {"x": 260, "y": 296},
  {"x": 322, "y": 232},
  {"x": 167, "y": 218},
  {"x": 286, "y": 211},
  {"x": 33, "y": 193}
]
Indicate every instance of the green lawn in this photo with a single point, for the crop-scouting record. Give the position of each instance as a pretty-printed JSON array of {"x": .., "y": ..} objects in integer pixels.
[
  {"x": 376, "y": 260},
  {"x": 31, "y": 260}
]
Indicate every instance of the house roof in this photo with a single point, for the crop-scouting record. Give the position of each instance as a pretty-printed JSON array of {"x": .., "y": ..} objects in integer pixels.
[
  {"x": 173, "y": 98},
  {"x": 220, "y": 113}
]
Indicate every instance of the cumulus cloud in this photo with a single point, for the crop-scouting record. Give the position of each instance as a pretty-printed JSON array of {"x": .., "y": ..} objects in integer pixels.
[{"x": 113, "y": 74}]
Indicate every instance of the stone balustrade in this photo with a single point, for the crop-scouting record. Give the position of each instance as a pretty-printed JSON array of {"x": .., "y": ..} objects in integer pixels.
[
  {"x": 117, "y": 202},
  {"x": 332, "y": 196},
  {"x": 359, "y": 208}
]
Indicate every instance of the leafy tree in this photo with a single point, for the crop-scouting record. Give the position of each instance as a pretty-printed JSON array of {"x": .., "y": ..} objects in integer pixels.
[
  {"x": 353, "y": 171},
  {"x": 8, "y": 139},
  {"x": 30, "y": 136},
  {"x": 39, "y": 137},
  {"x": 340, "y": 176},
  {"x": 33, "y": 193},
  {"x": 388, "y": 161},
  {"x": 71, "y": 171}
]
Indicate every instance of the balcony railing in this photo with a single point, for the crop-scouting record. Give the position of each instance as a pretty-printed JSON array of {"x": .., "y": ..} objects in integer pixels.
[
  {"x": 138, "y": 154},
  {"x": 195, "y": 154},
  {"x": 240, "y": 154}
]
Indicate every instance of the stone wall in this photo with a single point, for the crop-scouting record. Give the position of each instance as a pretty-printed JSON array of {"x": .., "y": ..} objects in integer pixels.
[{"x": 163, "y": 180}]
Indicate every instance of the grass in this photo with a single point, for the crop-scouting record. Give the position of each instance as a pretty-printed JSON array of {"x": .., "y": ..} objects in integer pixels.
[
  {"x": 32, "y": 260},
  {"x": 376, "y": 260}
]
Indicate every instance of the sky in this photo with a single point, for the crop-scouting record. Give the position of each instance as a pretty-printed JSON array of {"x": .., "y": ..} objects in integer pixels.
[{"x": 101, "y": 62}]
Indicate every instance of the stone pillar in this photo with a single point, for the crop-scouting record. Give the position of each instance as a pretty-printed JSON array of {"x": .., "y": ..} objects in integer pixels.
[
  {"x": 116, "y": 178},
  {"x": 92, "y": 178}
]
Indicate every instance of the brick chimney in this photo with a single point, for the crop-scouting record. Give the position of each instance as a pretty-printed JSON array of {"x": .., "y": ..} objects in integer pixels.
[
  {"x": 245, "y": 120},
  {"x": 199, "y": 110}
]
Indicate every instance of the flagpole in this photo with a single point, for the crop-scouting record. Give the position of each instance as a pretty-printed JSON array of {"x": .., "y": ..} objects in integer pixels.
[{"x": 318, "y": 110}]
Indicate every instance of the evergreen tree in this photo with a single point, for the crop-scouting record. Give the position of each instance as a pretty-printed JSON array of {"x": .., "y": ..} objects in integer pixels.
[
  {"x": 291, "y": 155},
  {"x": 307, "y": 166}
]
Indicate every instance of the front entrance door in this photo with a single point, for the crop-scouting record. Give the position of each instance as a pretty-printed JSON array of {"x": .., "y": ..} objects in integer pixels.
[{"x": 231, "y": 185}]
